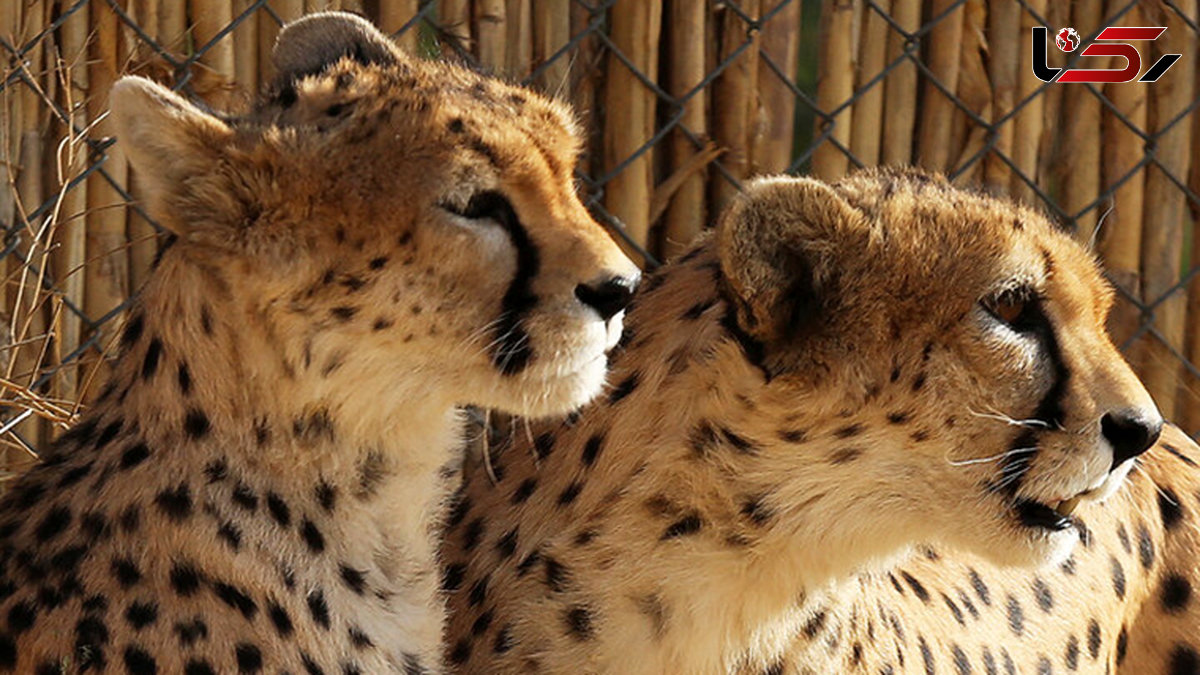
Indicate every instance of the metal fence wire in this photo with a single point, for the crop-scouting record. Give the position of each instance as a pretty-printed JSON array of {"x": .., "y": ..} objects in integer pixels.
[{"x": 684, "y": 100}]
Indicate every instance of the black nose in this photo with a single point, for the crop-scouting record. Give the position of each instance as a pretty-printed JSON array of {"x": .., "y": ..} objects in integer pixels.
[
  {"x": 607, "y": 297},
  {"x": 1131, "y": 432}
]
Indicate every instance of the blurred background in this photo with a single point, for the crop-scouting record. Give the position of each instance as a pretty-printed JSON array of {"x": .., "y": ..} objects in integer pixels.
[{"x": 684, "y": 100}]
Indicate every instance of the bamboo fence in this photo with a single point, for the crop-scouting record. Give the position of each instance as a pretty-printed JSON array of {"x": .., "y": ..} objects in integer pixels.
[{"x": 684, "y": 99}]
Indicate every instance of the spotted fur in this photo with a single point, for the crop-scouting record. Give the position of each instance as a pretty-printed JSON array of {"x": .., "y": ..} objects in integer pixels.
[
  {"x": 839, "y": 425},
  {"x": 257, "y": 486}
]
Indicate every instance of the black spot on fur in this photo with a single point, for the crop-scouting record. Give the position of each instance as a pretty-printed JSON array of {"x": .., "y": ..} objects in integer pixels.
[
  {"x": 280, "y": 619},
  {"x": 524, "y": 491},
  {"x": 196, "y": 424},
  {"x": 356, "y": 580},
  {"x": 184, "y": 378},
  {"x": 319, "y": 608},
  {"x": 278, "y": 509},
  {"x": 453, "y": 576},
  {"x": 126, "y": 572},
  {"x": 175, "y": 503},
  {"x": 312, "y": 536},
  {"x": 249, "y": 658},
  {"x": 1175, "y": 593},
  {"x": 689, "y": 524},
  {"x": 1118, "y": 577},
  {"x": 191, "y": 632},
  {"x": 134, "y": 455},
  {"x": 236, "y": 598},
  {"x": 141, "y": 614},
  {"x": 139, "y": 662},
  {"x": 592, "y": 449},
  {"x": 578, "y": 620},
  {"x": 624, "y": 388},
  {"x": 150, "y": 362},
  {"x": 917, "y": 587},
  {"x": 185, "y": 579},
  {"x": 1184, "y": 660},
  {"x": 1016, "y": 616},
  {"x": 569, "y": 493}
]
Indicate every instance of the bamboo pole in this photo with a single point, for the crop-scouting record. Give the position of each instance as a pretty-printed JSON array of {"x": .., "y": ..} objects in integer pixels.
[
  {"x": 974, "y": 94},
  {"x": 245, "y": 49},
  {"x": 734, "y": 98},
  {"x": 106, "y": 282},
  {"x": 519, "y": 54},
  {"x": 1059, "y": 14},
  {"x": 1166, "y": 212},
  {"x": 1079, "y": 161},
  {"x": 686, "y": 214},
  {"x": 393, "y": 14},
  {"x": 585, "y": 82},
  {"x": 71, "y": 251},
  {"x": 945, "y": 50},
  {"x": 210, "y": 17},
  {"x": 454, "y": 16},
  {"x": 490, "y": 26},
  {"x": 172, "y": 26},
  {"x": 900, "y": 87},
  {"x": 268, "y": 30},
  {"x": 777, "y": 103},
  {"x": 1120, "y": 240},
  {"x": 1005, "y": 38},
  {"x": 1189, "y": 393},
  {"x": 867, "y": 128},
  {"x": 1027, "y": 124},
  {"x": 835, "y": 87},
  {"x": 29, "y": 326},
  {"x": 629, "y": 119},
  {"x": 551, "y": 32}
]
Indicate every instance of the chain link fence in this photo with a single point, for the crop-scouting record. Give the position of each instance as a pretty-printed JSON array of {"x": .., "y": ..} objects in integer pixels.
[{"x": 685, "y": 99}]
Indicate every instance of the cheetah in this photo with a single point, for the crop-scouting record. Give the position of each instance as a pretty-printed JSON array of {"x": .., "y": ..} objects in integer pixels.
[
  {"x": 871, "y": 426},
  {"x": 257, "y": 487}
]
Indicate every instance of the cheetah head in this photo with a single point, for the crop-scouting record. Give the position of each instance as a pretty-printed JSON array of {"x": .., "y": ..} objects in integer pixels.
[
  {"x": 948, "y": 349},
  {"x": 385, "y": 216}
]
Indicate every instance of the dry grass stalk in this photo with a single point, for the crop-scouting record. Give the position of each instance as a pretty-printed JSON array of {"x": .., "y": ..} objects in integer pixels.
[
  {"x": 490, "y": 18},
  {"x": 974, "y": 94},
  {"x": 1166, "y": 211},
  {"x": 937, "y": 120},
  {"x": 519, "y": 54},
  {"x": 867, "y": 128},
  {"x": 1005, "y": 40},
  {"x": 393, "y": 15},
  {"x": 835, "y": 86},
  {"x": 686, "y": 215},
  {"x": 1120, "y": 239},
  {"x": 551, "y": 32},
  {"x": 629, "y": 119},
  {"x": 1028, "y": 122},
  {"x": 900, "y": 87},
  {"x": 735, "y": 99},
  {"x": 772, "y": 152}
]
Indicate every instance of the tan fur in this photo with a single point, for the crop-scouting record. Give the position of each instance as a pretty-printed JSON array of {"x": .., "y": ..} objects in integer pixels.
[
  {"x": 807, "y": 402},
  {"x": 257, "y": 487}
]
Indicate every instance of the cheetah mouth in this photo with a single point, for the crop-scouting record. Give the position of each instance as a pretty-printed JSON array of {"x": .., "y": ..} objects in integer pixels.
[{"x": 1055, "y": 516}]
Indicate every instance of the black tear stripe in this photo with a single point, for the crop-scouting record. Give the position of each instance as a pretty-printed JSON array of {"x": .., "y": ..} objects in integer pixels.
[
  {"x": 1019, "y": 459},
  {"x": 512, "y": 352}
]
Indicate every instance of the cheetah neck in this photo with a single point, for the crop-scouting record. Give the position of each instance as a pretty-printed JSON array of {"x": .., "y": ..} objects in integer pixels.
[
  {"x": 672, "y": 469},
  {"x": 338, "y": 494}
]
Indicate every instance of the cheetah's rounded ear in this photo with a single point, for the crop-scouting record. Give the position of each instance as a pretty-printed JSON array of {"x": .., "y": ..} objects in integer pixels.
[
  {"x": 778, "y": 244},
  {"x": 311, "y": 44},
  {"x": 177, "y": 151}
]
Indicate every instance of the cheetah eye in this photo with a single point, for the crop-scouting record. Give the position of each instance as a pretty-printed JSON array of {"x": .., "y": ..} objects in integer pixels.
[
  {"x": 1014, "y": 307},
  {"x": 486, "y": 205}
]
